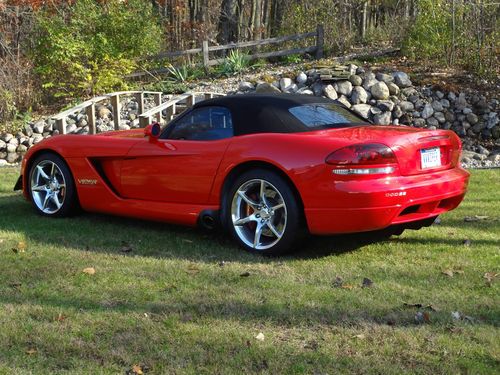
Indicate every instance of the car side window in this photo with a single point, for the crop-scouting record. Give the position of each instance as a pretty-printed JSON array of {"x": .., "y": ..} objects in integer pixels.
[{"x": 203, "y": 124}]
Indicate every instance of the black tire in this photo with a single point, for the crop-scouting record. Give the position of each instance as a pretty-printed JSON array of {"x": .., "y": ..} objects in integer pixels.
[
  {"x": 280, "y": 228},
  {"x": 62, "y": 199}
]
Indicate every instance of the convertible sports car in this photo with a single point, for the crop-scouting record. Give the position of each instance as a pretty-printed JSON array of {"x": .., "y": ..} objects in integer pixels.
[{"x": 267, "y": 168}]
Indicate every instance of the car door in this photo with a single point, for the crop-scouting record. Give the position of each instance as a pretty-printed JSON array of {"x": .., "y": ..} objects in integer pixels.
[{"x": 180, "y": 167}]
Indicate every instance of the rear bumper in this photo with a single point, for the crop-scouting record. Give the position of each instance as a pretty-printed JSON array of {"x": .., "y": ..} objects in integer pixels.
[{"x": 366, "y": 205}]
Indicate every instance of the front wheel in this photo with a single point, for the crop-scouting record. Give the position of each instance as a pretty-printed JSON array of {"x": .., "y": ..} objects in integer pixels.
[
  {"x": 263, "y": 214},
  {"x": 51, "y": 186}
]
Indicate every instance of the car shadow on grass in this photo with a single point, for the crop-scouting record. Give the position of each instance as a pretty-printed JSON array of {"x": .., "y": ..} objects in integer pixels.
[{"x": 133, "y": 237}]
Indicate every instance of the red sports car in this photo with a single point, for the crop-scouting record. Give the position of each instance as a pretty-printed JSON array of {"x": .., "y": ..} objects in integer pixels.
[{"x": 267, "y": 168}]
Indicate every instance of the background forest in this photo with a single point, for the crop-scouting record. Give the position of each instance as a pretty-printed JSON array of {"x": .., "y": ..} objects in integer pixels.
[{"x": 52, "y": 49}]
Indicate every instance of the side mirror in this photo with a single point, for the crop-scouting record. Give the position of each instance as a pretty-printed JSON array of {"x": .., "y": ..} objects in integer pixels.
[{"x": 152, "y": 131}]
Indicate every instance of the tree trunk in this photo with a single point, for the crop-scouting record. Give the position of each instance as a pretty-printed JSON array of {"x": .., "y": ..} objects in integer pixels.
[{"x": 228, "y": 22}]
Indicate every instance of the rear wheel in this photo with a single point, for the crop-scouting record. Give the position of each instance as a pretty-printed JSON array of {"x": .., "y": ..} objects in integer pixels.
[
  {"x": 51, "y": 186},
  {"x": 262, "y": 213}
]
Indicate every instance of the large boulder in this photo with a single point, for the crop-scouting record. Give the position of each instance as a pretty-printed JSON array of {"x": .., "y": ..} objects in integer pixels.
[
  {"x": 427, "y": 112},
  {"x": 330, "y": 92},
  {"x": 266, "y": 88},
  {"x": 369, "y": 80},
  {"x": 343, "y": 87},
  {"x": 359, "y": 95},
  {"x": 380, "y": 91},
  {"x": 383, "y": 118},
  {"x": 387, "y": 78},
  {"x": 356, "y": 80},
  {"x": 407, "y": 106},
  {"x": 362, "y": 109},
  {"x": 243, "y": 86},
  {"x": 285, "y": 83},
  {"x": 301, "y": 78},
  {"x": 401, "y": 79},
  {"x": 39, "y": 126}
]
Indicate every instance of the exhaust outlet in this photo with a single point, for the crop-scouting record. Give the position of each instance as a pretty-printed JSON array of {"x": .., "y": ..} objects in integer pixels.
[{"x": 209, "y": 219}]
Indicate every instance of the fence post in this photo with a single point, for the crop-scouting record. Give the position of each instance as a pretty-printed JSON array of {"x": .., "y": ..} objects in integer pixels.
[
  {"x": 320, "y": 36},
  {"x": 206, "y": 60},
  {"x": 157, "y": 103},
  {"x": 144, "y": 121},
  {"x": 61, "y": 125},
  {"x": 190, "y": 100},
  {"x": 115, "y": 102},
  {"x": 90, "y": 110},
  {"x": 139, "y": 97}
]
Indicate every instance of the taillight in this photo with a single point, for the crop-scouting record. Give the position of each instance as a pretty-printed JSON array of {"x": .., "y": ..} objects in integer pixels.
[{"x": 352, "y": 159}]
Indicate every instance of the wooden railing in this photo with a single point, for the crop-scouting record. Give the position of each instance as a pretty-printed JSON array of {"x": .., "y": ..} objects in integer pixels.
[
  {"x": 114, "y": 98},
  {"x": 171, "y": 106},
  {"x": 316, "y": 50},
  {"x": 187, "y": 100}
]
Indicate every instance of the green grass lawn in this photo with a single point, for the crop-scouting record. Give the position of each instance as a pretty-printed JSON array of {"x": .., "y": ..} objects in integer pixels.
[{"x": 184, "y": 301}]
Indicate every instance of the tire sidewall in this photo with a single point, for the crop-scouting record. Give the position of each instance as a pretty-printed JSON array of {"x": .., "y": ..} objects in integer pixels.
[
  {"x": 294, "y": 213},
  {"x": 70, "y": 202}
]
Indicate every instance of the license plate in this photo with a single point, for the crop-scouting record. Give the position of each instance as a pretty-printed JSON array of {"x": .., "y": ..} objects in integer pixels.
[{"x": 431, "y": 157}]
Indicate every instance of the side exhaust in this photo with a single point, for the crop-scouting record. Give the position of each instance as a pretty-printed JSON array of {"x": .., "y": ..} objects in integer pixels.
[{"x": 209, "y": 219}]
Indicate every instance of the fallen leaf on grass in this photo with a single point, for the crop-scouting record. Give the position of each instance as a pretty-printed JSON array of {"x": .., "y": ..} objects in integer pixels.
[
  {"x": 89, "y": 270},
  {"x": 260, "y": 336},
  {"x": 192, "y": 269},
  {"x": 31, "y": 351},
  {"x": 347, "y": 286},
  {"x": 450, "y": 272},
  {"x": 367, "y": 283},
  {"x": 20, "y": 247},
  {"x": 15, "y": 284},
  {"x": 361, "y": 336},
  {"x": 136, "y": 369},
  {"x": 490, "y": 278},
  {"x": 60, "y": 318},
  {"x": 427, "y": 317},
  {"x": 245, "y": 274}
]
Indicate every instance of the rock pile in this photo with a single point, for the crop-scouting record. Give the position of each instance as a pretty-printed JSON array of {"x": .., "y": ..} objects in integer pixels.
[
  {"x": 383, "y": 98},
  {"x": 392, "y": 99}
]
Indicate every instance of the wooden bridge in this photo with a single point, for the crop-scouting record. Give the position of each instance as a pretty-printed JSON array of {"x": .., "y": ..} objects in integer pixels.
[{"x": 172, "y": 106}]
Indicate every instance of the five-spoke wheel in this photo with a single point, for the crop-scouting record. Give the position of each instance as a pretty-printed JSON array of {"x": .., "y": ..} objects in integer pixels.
[
  {"x": 51, "y": 186},
  {"x": 263, "y": 213}
]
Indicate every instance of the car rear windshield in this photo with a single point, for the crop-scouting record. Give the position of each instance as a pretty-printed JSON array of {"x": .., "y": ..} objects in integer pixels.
[{"x": 326, "y": 116}]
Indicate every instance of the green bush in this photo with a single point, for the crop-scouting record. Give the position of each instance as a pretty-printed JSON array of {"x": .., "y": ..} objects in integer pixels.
[
  {"x": 236, "y": 62},
  {"x": 430, "y": 35},
  {"x": 90, "y": 46}
]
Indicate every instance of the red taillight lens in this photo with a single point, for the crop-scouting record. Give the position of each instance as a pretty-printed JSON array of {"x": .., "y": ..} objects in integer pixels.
[{"x": 362, "y": 154}]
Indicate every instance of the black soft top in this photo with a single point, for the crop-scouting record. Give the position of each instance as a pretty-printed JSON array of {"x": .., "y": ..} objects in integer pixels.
[{"x": 264, "y": 113}]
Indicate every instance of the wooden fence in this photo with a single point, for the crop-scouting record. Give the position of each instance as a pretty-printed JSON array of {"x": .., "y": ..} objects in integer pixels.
[{"x": 315, "y": 49}]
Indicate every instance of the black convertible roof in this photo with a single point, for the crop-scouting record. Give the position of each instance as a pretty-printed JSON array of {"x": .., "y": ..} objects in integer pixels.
[{"x": 264, "y": 113}]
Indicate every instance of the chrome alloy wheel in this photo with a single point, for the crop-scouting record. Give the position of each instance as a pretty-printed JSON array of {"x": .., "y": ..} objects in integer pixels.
[
  {"x": 259, "y": 214},
  {"x": 48, "y": 187}
]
